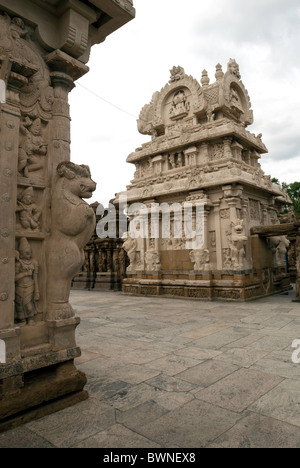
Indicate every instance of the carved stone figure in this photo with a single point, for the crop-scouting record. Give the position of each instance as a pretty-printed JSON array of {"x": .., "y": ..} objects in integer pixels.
[
  {"x": 176, "y": 74},
  {"x": 32, "y": 147},
  {"x": 238, "y": 243},
  {"x": 233, "y": 68},
  {"x": 28, "y": 211},
  {"x": 227, "y": 258},
  {"x": 279, "y": 246},
  {"x": 201, "y": 259},
  {"x": 73, "y": 222},
  {"x": 180, "y": 106},
  {"x": 27, "y": 289},
  {"x": 152, "y": 260},
  {"x": 130, "y": 246}
]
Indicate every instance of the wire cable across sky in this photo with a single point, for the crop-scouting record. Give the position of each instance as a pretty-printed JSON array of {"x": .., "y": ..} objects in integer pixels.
[{"x": 105, "y": 100}]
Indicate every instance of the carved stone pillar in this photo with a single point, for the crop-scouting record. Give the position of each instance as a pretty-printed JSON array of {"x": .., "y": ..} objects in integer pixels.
[
  {"x": 232, "y": 203},
  {"x": 44, "y": 221}
]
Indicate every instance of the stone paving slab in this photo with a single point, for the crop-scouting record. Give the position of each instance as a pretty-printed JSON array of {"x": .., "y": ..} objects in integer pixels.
[
  {"x": 257, "y": 431},
  {"x": 169, "y": 373},
  {"x": 193, "y": 425},
  {"x": 281, "y": 403},
  {"x": 239, "y": 389}
]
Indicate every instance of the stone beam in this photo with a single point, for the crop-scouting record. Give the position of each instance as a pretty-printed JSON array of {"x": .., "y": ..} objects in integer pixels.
[
  {"x": 72, "y": 26},
  {"x": 276, "y": 230}
]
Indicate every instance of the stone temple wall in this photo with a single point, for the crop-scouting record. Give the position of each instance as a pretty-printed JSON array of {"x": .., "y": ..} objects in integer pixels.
[
  {"x": 201, "y": 155},
  {"x": 44, "y": 220}
]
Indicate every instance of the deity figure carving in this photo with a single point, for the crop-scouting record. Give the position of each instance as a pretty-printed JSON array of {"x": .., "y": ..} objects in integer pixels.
[
  {"x": 172, "y": 161},
  {"x": 32, "y": 147},
  {"x": 217, "y": 152},
  {"x": 227, "y": 258},
  {"x": 238, "y": 241},
  {"x": 279, "y": 246},
  {"x": 282, "y": 251},
  {"x": 73, "y": 224},
  {"x": 27, "y": 288},
  {"x": 180, "y": 106},
  {"x": 152, "y": 260},
  {"x": 28, "y": 211},
  {"x": 130, "y": 246},
  {"x": 201, "y": 259}
]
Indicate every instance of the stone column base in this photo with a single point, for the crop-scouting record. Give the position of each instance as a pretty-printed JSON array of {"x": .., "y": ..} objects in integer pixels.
[{"x": 34, "y": 388}]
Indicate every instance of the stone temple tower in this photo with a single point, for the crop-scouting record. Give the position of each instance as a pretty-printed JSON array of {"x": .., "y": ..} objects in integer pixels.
[{"x": 201, "y": 155}]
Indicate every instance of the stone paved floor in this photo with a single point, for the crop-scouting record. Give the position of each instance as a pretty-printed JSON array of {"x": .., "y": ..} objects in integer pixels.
[{"x": 170, "y": 373}]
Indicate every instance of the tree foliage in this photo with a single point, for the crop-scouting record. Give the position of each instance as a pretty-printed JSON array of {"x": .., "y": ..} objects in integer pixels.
[{"x": 293, "y": 191}]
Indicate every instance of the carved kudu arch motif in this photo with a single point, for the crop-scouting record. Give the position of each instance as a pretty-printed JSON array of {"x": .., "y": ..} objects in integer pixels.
[
  {"x": 232, "y": 83},
  {"x": 152, "y": 115}
]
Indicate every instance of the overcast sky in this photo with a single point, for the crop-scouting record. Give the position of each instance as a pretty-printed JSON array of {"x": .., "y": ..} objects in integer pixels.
[{"x": 134, "y": 62}]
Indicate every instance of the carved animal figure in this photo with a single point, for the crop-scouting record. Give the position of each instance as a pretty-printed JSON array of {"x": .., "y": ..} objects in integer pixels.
[
  {"x": 73, "y": 224},
  {"x": 130, "y": 246},
  {"x": 238, "y": 243}
]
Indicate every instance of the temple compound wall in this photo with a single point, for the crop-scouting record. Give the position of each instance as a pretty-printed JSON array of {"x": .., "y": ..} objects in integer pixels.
[
  {"x": 44, "y": 220},
  {"x": 201, "y": 155}
]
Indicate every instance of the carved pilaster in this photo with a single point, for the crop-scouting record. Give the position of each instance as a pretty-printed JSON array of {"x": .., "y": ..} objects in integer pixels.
[
  {"x": 10, "y": 122},
  {"x": 216, "y": 205}
]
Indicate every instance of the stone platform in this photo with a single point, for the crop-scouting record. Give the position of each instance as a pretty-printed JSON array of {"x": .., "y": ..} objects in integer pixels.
[{"x": 168, "y": 373}]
